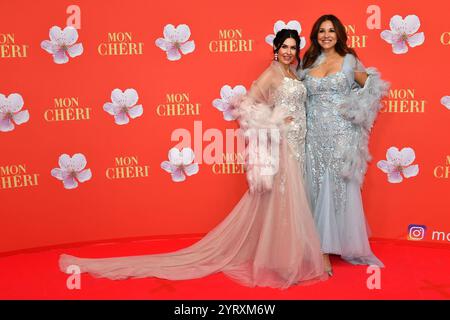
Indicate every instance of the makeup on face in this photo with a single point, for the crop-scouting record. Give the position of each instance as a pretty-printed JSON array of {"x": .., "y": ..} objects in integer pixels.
[
  {"x": 287, "y": 51},
  {"x": 327, "y": 36}
]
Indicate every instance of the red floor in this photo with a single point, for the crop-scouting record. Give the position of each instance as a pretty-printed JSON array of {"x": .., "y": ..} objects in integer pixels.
[{"x": 412, "y": 272}]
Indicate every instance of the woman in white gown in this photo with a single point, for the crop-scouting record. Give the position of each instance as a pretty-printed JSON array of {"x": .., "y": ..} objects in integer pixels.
[{"x": 269, "y": 238}]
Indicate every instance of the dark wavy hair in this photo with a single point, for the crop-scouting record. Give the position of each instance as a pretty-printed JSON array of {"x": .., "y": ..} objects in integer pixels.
[
  {"x": 314, "y": 49},
  {"x": 284, "y": 34}
]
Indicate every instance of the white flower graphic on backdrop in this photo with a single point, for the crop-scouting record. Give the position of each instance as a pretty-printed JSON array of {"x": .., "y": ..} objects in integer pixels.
[
  {"x": 123, "y": 106},
  {"x": 403, "y": 32},
  {"x": 10, "y": 112},
  {"x": 293, "y": 25},
  {"x": 62, "y": 43},
  {"x": 446, "y": 102},
  {"x": 180, "y": 164},
  {"x": 71, "y": 170},
  {"x": 175, "y": 41},
  {"x": 230, "y": 98},
  {"x": 399, "y": 163}
]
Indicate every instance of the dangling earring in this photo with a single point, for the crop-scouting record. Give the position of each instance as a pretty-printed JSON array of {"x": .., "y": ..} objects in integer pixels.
[{"x": 275, "y": 57}]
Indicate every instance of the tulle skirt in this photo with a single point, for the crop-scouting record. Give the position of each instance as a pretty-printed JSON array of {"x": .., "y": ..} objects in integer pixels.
[
  {"x": 346, "y": 233},
  {"x": 268, "y": 239}
]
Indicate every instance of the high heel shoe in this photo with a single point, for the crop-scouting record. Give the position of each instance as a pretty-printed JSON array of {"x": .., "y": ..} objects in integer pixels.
[{"x": 327, "y": 264}]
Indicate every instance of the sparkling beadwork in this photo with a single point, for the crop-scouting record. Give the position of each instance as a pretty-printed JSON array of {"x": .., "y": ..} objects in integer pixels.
[
  {"x": 328, "y": 134},
  {"x": 291, "y": 95}
]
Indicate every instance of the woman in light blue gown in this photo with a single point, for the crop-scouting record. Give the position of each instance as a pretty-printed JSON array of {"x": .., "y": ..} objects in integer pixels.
[{"x": 342, "y": 103}]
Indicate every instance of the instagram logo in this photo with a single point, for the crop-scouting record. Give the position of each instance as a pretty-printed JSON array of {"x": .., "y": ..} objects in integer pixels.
[{"x": 416, "y": 232}]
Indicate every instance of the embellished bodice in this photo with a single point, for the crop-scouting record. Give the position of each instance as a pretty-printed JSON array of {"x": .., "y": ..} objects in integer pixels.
[
  {"x": 329, "y": 133},
  {"x": 291, "y": 95},
  {"x": 335, "y": 83},
  {"x": 324, "y": 97}
]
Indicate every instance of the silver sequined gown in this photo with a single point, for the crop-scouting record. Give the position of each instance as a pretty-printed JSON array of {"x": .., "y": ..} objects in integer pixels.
[
  {"x": 336, "y": 203},
  {"x": 292, "y": 95}
]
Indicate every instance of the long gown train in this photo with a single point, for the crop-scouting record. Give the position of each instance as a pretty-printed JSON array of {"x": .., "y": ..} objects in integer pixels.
[{"x": 268, "y": 239}]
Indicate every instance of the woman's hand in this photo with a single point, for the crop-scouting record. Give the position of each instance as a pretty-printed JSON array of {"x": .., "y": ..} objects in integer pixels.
[{"x": 288, "y": 119}]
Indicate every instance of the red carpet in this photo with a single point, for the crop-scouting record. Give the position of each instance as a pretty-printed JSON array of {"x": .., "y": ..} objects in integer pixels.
[{"x": 412, "y": 272}]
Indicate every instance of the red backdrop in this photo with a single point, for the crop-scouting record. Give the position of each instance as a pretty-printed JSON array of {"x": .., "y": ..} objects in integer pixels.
[{"x": 36, "y": 210}]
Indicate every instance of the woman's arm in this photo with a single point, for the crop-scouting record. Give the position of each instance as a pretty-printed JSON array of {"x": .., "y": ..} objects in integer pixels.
[{"x": 360, "y": 78}]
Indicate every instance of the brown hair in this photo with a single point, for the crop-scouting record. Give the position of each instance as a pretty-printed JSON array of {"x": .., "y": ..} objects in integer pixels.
[{"x": 314, "y": 49}]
